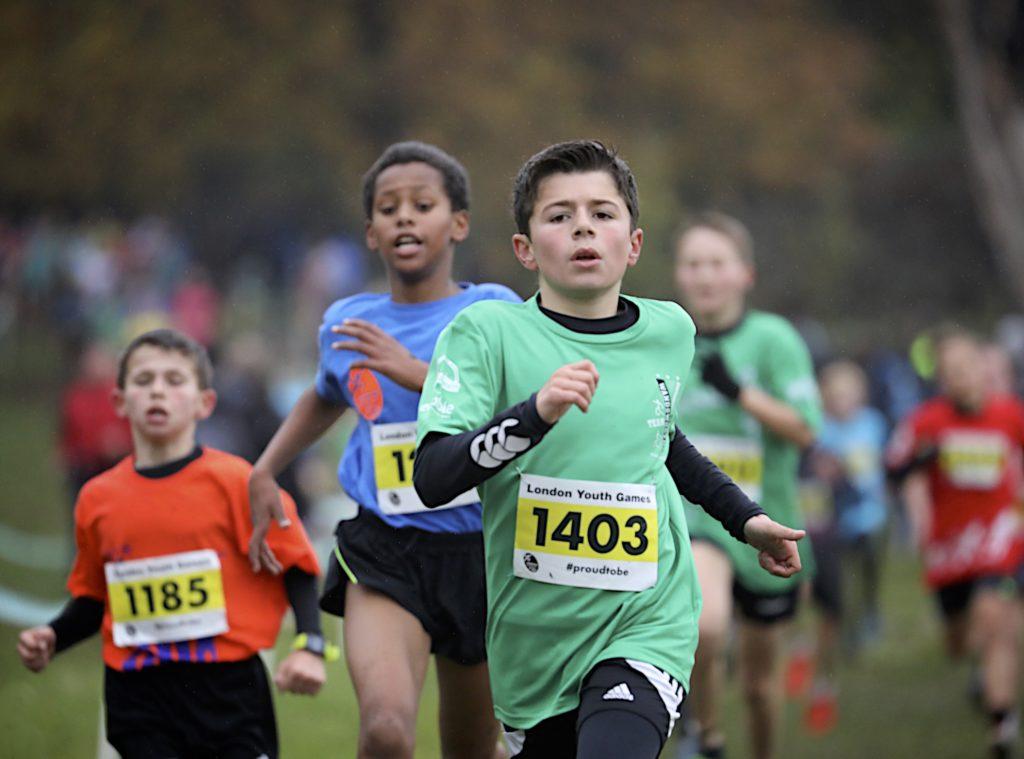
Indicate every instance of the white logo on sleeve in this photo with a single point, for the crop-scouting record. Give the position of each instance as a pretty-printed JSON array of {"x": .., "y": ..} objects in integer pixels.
[
  {"x": 494, "y": 447},
  {"x": 448, "y": 375},
  {"x": 620, "y": 692},
  {"x": 438, "y": 406}
]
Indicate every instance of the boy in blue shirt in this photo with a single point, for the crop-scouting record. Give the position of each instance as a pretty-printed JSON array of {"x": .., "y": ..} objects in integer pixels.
[
  {"x": 847, "y": 465},
  {"x": 855, "y": 434},
  {"x": 409, "y": 582}
]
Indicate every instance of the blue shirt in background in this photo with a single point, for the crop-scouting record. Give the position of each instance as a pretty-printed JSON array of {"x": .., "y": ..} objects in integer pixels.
[
  {"x": 417, "y": 327},
  {"x": 859, "y": 442}
]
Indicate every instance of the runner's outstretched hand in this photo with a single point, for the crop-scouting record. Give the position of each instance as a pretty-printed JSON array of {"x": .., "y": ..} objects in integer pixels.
[
  {"x": 264, "y": 505},
  {"x": 776, "y": 545}
]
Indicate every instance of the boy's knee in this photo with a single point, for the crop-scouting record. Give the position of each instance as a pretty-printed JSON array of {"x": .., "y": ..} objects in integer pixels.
[
  {"x": 388, "y": 733},
  {"x": 993, "y": 618}
]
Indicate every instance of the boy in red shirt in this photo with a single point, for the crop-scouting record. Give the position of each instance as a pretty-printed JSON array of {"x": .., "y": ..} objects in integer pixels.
[
  {"x": 961, "y": 456},
  {"x": 92, "y": 436},
  {"x": 162, "y": 572}
]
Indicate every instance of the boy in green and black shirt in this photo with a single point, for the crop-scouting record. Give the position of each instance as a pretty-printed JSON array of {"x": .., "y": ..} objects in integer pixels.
[
  {"x": 751, "y": 403},
  {"x": 592, "y": 596}
]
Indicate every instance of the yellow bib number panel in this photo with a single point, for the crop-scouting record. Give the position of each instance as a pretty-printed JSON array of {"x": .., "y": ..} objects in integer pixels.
[
  {"x": 973, "y": 459},
  {"x": 394, "y": 446},
  {"x": 168, "y": 598},
  {"x": 586, "y": 534},
  {"x": 742, "y": 459}
]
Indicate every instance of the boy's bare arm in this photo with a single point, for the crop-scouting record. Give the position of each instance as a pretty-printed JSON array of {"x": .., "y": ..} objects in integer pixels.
[
  {"x": 918, "y": 500},
  {"x": 779, "y": 417},
  {"x": 306, "y": 423}
]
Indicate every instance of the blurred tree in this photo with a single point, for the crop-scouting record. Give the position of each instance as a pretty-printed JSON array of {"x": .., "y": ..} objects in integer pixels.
[
  {"x": 986, "y": 41},
  {"x": 250, "y": 123}
]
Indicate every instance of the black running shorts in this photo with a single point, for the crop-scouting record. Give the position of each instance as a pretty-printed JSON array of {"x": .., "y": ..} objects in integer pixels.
[
  {"x": 437, "y": 577},
  {"x": 954, "y": 599},
  {"x": 179, "y": 709},
  {"x": 765, "y": 608}
]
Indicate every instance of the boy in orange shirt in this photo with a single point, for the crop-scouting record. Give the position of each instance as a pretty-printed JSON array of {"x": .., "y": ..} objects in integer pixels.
[{"x": 162, "y": 572}]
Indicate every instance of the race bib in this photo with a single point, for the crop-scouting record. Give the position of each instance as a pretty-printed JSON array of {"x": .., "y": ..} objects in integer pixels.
[
  {"x": 973, "y": 459},
  {"x": 816, "y": 504},
  {"x": 586, "y": 534},
  {"x": 164, "y": 599},
  {"x": 394, "y": 446},
  {"x": 740, "y": 458}
]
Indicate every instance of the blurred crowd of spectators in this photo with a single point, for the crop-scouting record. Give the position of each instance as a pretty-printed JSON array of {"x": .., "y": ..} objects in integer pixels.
[{"x": 96, "y": 285}]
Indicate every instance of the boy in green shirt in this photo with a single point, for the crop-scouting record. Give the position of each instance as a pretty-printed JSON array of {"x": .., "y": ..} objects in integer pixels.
[
  {"x": 751, "y": 403},
  {"x": 592, "y": 597}
]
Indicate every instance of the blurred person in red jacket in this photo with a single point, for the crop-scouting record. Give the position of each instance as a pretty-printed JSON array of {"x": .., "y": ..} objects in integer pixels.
[
  {"x": 195, "y": 306},
  {"x": 92, "y": 437}
]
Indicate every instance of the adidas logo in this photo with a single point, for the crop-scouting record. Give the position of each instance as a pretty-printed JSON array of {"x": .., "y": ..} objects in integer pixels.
[{"x": 620, "y": 692}]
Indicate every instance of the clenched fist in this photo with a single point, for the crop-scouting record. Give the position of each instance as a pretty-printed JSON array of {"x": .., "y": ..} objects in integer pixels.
[
  {"x": 36, "y": 647},
  {"x": 571, "y": 385},
  {"x": 301, "y": 672}
]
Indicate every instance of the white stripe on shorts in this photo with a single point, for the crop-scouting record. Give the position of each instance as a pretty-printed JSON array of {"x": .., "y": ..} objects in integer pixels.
[
  {"x": 668, "y": 688},
  {"x": 514, "y": 739}
]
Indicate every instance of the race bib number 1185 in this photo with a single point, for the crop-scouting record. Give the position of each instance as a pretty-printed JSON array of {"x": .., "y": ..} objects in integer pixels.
[{"x": 162, "y": 599}]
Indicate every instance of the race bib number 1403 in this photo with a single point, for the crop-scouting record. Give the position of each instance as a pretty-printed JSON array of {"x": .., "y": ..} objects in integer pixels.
[{"x": 586, "y": 534}]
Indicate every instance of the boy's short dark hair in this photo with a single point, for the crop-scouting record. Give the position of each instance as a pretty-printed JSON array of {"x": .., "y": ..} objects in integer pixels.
[
  {"x": 169, "y": 340},
  {"x": 571, "y": 158},
  {"x": 734, "y": 230},
  {"x": 456, "y": 179}
]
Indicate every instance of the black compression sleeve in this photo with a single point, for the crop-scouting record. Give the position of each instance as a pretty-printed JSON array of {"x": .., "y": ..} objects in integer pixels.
[
  {"x": 448, "y": 465},
  {"x": 301, "y": 589},
  {"x": 80, "y": 618},
  {"x": 615, "y": 732},
  {"x": 703, "y": 483}
]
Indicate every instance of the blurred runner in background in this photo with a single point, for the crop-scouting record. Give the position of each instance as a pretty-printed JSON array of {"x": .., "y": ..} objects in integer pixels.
[{"x": 959, "y": 458}]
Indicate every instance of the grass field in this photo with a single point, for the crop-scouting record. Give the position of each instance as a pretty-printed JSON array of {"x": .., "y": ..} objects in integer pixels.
[{"x": 901, "y": 700}]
